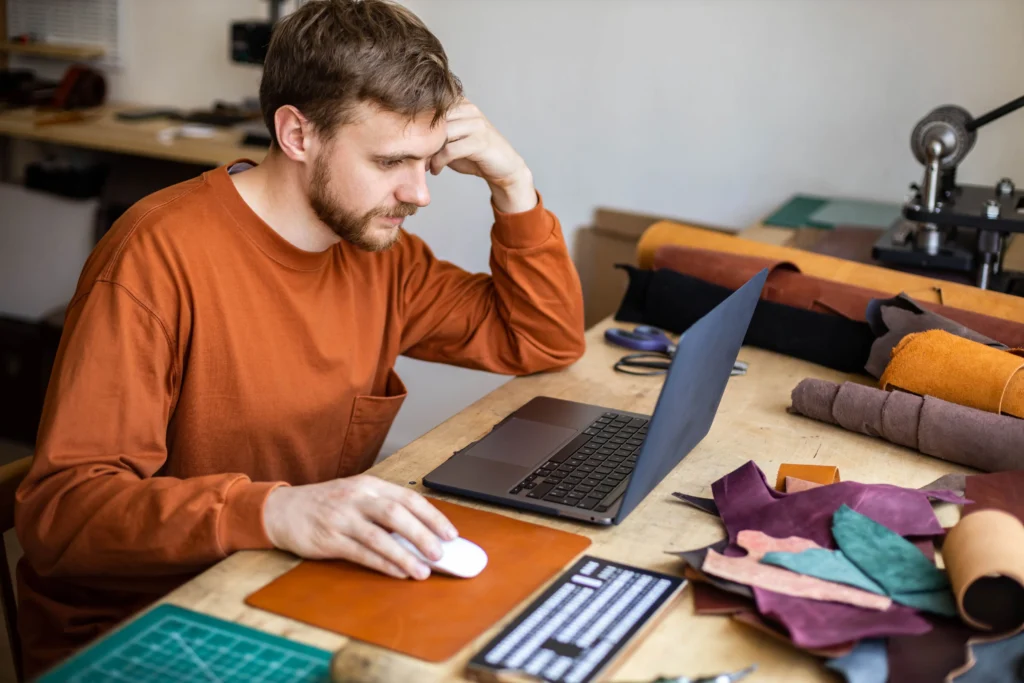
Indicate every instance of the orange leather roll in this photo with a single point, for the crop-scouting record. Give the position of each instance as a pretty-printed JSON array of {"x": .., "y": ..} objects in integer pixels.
[{"x": 937, "y": 363}]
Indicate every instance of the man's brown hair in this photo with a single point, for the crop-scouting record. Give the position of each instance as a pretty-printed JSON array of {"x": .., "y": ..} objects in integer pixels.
[{"x": 329, "y": 55}]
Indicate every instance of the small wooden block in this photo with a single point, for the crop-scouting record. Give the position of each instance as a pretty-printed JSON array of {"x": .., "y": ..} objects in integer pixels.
[{"x": 819, "y": 474}]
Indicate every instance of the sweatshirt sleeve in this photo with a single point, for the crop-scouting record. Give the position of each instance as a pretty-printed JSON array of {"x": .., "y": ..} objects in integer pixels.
[
  {"x": 525, "y": 317},
  {"x": 92, "y": 503}
]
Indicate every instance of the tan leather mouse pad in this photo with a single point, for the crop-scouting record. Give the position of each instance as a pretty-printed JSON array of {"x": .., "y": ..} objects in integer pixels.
[{"x": 432, "y": 619}]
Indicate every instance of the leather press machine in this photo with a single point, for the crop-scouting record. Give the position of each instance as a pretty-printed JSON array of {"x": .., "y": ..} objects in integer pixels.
[{"x": 946, "y": 226}]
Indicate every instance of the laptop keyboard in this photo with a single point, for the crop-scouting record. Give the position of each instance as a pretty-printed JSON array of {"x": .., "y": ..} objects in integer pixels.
[{"x": 591, "y": 471}]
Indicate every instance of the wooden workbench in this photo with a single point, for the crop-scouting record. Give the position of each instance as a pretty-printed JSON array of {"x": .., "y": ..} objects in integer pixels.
[
  {"x": 101, "y": 130},
  {"x": 752, "y": 424}
]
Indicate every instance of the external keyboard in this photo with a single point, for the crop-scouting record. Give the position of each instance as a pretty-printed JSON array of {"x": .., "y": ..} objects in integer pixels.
[{"x": 591, "y": 472}]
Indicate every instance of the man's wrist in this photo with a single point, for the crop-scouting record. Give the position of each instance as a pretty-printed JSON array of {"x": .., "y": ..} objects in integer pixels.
[
  {"x": 517, "y": 195},
  {"x": 272, "y": 515}
]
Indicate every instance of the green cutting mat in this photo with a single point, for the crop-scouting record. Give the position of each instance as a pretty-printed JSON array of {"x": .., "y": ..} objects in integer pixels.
[{"x": 169, "y": 644}]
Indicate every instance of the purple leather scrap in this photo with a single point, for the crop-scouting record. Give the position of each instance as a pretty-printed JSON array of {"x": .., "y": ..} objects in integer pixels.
[
  {"x": 746, "y": 501},
  {"x": 816, "y": 624}
]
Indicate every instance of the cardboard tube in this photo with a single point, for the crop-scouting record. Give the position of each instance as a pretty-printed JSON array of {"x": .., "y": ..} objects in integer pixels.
[{"x": 984, "y": 555}]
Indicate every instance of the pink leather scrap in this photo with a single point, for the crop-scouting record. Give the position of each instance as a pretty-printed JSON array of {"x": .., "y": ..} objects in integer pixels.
[
  {"x": 757, "y": 543},
  {"x": 750, "y": 572}
]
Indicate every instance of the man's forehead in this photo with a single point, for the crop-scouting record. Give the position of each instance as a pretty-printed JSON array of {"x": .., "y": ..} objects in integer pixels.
[{"x": 382, "y": 128}]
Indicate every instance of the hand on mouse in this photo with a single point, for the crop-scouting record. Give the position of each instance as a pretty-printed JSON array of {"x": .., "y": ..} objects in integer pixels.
[{"x": 351, "y": 519}]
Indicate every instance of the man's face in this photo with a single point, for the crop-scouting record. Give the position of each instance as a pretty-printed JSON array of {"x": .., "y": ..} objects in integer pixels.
[{"x": 372, "y": 174}]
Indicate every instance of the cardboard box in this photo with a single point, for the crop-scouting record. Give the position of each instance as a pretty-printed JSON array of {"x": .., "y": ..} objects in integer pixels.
[
  {"x": 611, "y": 240},
  {"x": 44, "y": 242}
]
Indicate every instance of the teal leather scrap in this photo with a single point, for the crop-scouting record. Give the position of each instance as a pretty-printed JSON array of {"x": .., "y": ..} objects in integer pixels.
[
  {"x": 938, "y": 601},
  {"x": 888, "y": 558},
  {"x": 873, "y": 558},
  {"x": 831, "y": 565}
]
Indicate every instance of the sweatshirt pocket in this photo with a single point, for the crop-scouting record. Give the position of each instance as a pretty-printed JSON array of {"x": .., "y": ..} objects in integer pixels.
[{"x": 368, "y": 426}]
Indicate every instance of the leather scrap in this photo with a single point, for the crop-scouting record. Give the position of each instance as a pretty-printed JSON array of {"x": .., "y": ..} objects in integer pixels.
[
  {"x": 756, "y": 621},
  {"x": 746, "y": 501},
  {"x": 890, "y": 560},
  {"x": 757, "y": 543},
  {"x": 794, "y": 485},
  {"x": 893, "y": 319},
  {"x": 750, "y": 572},
  {"x": 812, "y": 624},
  {"x": 939, "y": 601},
  {"x": 992, "y": 659},
  {"x": 867, "y": 663},
  {"x": 828, "y": 565},
  {"x": 695, "y": 559},
  {"x": 709, "y": 599},
  {"x": 928, "y": 657},
  {"x": 1000, "y": 491},
  {"x": 833, "y": 565},
  {"x": 950, "y": 482},
  {"x": 703, "y": 504}
]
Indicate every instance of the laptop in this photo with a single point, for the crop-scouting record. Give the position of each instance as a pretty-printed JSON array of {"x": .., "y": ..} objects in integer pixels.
[{"x": 593, "y": 464}]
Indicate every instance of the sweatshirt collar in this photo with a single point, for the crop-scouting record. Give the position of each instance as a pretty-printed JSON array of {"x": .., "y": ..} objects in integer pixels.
[{"x": 256, "y": 229}]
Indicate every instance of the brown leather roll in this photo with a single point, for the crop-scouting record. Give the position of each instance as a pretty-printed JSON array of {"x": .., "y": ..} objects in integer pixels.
[{"x": 922, "y": 289}]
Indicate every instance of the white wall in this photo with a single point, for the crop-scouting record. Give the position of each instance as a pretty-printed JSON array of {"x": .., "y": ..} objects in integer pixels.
[
  {"x": 713, "y": 110},
  {"x": 718, "y": 109},
  {"x": 178, "y": 52}
]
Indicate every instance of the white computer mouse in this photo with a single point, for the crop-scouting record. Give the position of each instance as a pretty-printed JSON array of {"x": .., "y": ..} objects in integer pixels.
[{"x": 460, "y": 557}]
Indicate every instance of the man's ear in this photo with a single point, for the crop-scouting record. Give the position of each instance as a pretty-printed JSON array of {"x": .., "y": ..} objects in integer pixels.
[{"x": 294, "y": 132}]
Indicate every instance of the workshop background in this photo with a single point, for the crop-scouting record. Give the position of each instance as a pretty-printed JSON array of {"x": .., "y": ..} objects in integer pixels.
[{"x": 710, "y": 111}]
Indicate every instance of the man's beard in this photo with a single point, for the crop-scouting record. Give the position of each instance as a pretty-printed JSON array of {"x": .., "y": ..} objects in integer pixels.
[{"x": 355, "y": 229}]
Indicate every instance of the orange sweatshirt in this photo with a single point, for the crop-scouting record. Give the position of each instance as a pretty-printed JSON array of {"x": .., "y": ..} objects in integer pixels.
[{"x": 205, "y": 360}]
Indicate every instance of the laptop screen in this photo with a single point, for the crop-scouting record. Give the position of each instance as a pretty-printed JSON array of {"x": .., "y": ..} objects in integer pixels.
[{"x": 693, "y": 389}]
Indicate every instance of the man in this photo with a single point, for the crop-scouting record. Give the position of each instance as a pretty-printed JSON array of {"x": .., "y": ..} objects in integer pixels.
[{"x": 225, "y": 371}]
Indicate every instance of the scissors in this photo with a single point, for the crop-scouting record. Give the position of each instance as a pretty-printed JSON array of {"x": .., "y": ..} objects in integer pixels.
[
  {"x": 655, "y": 351},
  {"x": 720, "y": 678}
]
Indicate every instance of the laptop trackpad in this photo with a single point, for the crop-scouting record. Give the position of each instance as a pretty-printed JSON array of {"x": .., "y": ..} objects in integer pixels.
[{"x": 522, "y": 442}]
